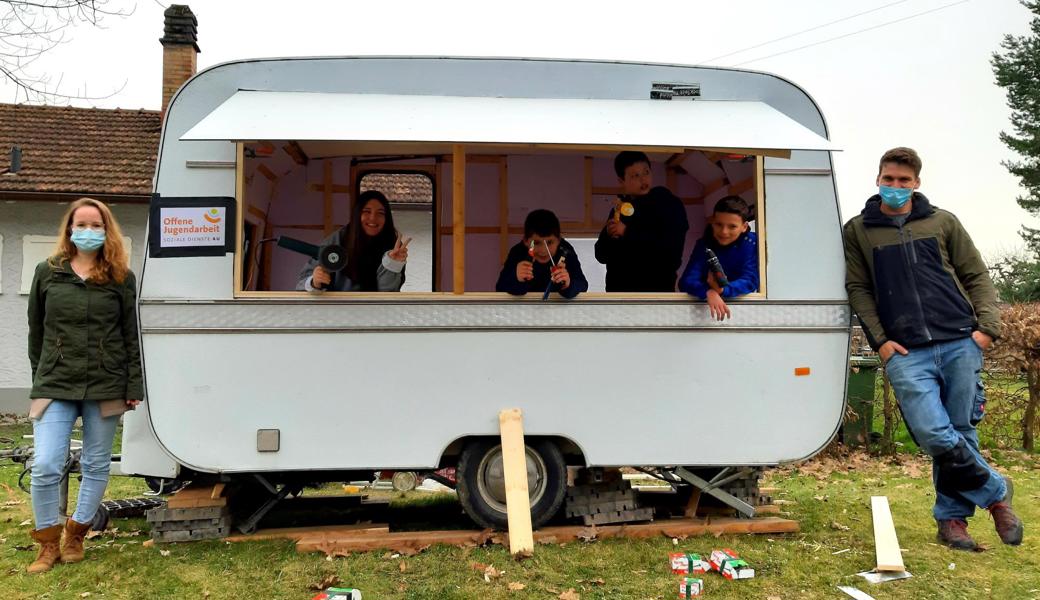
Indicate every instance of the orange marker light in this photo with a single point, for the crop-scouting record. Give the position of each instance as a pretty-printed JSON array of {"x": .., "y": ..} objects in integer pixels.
[{"x": 801, "y": 371}]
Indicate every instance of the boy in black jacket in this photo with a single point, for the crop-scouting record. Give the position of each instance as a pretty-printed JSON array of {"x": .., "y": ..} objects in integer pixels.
[
  {"x": 642, "y": 242},
  {"x": 542, "y": 259}
]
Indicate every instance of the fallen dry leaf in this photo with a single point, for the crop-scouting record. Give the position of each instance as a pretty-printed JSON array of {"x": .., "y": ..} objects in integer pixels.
[
  {"x": 164, "y": 552},
  {"x": 402, "y": 567},
  {"x": 489, "y": 571},
  {"x": 596, "y": 581},
  {"x": 516, "y": 586},
  {"x": 587, "y": 534},
  {"x": 330, "y": 580},
  {"x": 570, "y": 595},
  {"x": 413, "y": 550},
  {"x": 838, "y": 526}
]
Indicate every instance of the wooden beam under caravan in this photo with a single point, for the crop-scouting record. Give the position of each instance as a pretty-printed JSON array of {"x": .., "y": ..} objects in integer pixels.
[{"x": 458, "y": 217}]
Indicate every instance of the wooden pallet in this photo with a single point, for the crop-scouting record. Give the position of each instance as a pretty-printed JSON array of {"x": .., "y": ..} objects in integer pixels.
[{"x": 339, "y": 542}]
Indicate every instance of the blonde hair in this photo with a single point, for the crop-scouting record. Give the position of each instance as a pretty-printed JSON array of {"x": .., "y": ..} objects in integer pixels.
[{"x": 111, "y": 263}]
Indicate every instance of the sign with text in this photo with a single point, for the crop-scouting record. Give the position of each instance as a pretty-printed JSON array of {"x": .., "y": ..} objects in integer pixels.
[{"x": 191, "y": 226}]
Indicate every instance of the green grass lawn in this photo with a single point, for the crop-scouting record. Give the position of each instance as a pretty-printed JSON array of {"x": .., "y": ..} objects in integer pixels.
[{"x": 829, "y": 496}]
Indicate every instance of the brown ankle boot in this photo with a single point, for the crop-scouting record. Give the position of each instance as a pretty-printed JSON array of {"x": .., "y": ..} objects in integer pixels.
[
  {"x": 49, "y": 540},
  {"x": 72, "y": 547}
]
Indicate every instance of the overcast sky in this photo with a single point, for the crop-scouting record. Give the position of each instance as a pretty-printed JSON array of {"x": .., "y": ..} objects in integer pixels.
[{"x": 882, "y": 79}]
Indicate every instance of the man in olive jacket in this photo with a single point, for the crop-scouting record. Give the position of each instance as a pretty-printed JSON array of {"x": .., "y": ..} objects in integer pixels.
[{"x": 929, "y": 308}]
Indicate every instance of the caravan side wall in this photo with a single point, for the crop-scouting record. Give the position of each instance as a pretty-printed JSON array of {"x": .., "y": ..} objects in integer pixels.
[{"x": 392, "y": 383}]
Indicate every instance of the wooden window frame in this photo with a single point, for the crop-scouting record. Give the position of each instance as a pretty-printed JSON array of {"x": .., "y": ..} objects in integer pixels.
[{"x": 458, "y": 159}]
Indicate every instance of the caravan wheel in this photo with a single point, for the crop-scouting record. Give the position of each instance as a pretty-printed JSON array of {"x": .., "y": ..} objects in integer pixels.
[{"x": 482, "y": 489}]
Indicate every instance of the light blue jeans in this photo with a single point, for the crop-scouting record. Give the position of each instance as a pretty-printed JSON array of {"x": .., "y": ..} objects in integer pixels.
[
  {"x": 51, "y": 434},
  {"x": 940, "y": 394}
]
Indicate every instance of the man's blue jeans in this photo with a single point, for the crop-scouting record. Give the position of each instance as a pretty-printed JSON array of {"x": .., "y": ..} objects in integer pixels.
[
  {"x": 940, "y": 394},
  {"x": 51, "y": 433}
]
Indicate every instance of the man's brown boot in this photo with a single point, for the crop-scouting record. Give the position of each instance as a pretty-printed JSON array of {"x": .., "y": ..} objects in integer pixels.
[
  {"x": 49, "y": 540},
  {"x": 954, "y": 533},
  {"x": 1009, "y": 526},
  {"x": 72, "y": 547}
]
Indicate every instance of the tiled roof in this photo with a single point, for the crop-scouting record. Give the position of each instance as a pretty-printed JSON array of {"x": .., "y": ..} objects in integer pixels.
[
  {"x": 400, "y": 188},
  {"x": 79, "y": 150}
]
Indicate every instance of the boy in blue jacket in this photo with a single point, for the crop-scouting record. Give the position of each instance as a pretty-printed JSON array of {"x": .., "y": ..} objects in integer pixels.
[
  {"x": 542, "y": 260},
  {"x": 735, "y": 273}
]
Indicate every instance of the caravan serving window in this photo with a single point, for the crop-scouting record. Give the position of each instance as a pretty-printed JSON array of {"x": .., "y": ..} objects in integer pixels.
[{"x": 304, "y": 191}]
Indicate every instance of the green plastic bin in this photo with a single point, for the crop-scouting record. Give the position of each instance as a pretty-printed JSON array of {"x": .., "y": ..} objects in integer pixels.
[{"x": 862, "y": 376}]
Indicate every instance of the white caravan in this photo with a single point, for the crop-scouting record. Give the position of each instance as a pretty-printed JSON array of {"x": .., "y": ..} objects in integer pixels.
[{"x": 248, "y": 378}]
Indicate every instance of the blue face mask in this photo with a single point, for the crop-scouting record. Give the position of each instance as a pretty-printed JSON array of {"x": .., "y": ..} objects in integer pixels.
[
  {"x": 894, "y": 197},
  {"x": 88, "y": 240}
]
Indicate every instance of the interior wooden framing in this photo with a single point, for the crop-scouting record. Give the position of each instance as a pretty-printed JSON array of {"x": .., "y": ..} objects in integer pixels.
[{"x": 460, "y": 156}]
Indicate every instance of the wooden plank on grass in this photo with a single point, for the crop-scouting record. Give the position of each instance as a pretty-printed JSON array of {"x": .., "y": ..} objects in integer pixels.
[
  {"x": 514, "y": 467},
  {"x": 886, "y": 545},
  {"x": 409, "y": 542},
  {"x": 313, "y": 532},
  {"x": 339, "y": 543}
]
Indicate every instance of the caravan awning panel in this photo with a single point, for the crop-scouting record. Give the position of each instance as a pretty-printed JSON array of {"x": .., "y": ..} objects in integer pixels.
[{"x": 311, "y": 116}]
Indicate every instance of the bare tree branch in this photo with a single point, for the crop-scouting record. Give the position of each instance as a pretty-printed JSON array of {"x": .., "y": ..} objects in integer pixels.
[{"x": 31, "y": 28}]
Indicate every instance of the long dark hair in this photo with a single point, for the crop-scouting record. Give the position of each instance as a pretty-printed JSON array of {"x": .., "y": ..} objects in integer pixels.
[{"x": 364, "y": 253}]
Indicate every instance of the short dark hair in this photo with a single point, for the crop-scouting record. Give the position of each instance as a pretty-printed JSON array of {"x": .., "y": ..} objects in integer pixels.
[
  {"x": 542, "y": 222},
  {"x": 902, "y": 156},
  {"x": 734, "y": 205},
  {"x": 626, "y": 159}
]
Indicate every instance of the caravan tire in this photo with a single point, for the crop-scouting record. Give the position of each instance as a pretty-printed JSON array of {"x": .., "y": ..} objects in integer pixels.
[{"x": 481, "y": 487}]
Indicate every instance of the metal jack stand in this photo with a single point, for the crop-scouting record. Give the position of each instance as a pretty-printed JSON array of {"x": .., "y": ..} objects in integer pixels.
[
  {"x": 713, "y": 487},
  {"x": 277, "y": 495}
]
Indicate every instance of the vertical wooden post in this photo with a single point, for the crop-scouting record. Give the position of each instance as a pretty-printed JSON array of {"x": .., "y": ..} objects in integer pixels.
[
  {"x": 458, "y": 217},
  {"x": 354, "y": 190},
  {"x": 240, "y": 212},
  {"x": 326, "y": 214},
  {"x": 514, "y": 468},
  {"x": 503, "y": 209},
  {"x": 437, "y": 236},
  {"x": 760, "y": 221},
  {"x": 587, "y": 221}
]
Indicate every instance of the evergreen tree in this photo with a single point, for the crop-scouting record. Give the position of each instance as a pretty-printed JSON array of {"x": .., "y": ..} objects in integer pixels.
[{"x": 1018, "y": 71}]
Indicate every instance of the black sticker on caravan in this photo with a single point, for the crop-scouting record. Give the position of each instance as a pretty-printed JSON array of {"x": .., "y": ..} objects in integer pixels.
[
  {"x": 674, "y": 91},
  {"x": 191, "y": 226}
]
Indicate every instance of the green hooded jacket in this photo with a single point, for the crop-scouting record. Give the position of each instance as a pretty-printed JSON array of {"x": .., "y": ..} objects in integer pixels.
[
  {"x": 918, "y": 283},
  {"x": 83, "y": 342}
]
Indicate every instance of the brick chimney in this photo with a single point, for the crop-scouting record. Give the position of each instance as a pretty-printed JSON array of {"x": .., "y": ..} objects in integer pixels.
[{"x": 180, "y": 34}]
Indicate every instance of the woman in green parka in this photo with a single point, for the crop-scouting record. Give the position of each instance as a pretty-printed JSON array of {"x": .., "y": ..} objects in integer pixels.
[{"x": 85, "y": 359}]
